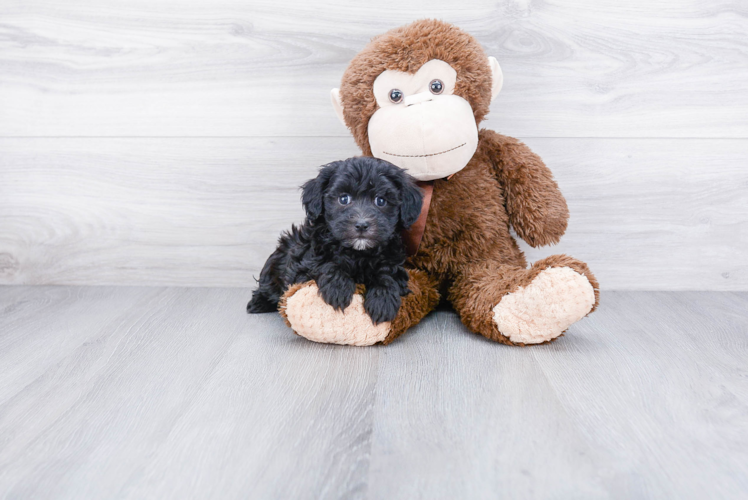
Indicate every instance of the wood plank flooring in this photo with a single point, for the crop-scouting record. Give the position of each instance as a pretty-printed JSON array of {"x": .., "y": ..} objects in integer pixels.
[{"x": 123, "y": 392}]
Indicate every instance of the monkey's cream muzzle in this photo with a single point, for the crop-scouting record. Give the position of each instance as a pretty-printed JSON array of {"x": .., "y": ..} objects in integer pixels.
[{"x": 416, "y": 136}]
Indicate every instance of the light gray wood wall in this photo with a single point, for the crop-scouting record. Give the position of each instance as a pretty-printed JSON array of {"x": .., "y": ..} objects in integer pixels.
[{"x": 162, "y": 141}]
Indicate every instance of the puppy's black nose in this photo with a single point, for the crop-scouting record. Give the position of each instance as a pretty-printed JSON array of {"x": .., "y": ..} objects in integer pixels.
[{"x": 362, "y": 226}]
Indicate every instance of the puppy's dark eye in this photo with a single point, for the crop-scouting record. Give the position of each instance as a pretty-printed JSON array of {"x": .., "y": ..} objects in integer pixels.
[
  {"x": 379, "y": 201},
  {"x": 344, "y": 199},
  {"x": 396, "y": 96},
  {"x": 436, "y": 86}
]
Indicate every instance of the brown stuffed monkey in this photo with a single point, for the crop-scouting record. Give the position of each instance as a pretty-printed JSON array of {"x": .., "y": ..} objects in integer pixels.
[{"x": 414, "y": 97}]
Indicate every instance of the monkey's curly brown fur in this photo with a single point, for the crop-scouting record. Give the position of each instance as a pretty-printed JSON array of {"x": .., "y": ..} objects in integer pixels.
[
  {"x": 467, "y": 248},
  {"x": 467, "y": 251}
]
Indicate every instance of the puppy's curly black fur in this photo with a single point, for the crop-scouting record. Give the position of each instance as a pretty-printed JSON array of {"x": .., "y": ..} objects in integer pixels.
[{"x": 356, "y": 209}]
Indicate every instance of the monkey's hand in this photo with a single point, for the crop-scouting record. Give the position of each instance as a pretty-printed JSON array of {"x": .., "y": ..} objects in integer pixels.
[
  {"x": 535, "y": 205},
  {"x": 307, "y": 313}
]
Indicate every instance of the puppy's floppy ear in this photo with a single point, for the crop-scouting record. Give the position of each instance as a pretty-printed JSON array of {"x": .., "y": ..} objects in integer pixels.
[
  {"x": 411, "y": 196},
  {"x": 313, "y": 192},
  {"x": 411, "y": 200}
]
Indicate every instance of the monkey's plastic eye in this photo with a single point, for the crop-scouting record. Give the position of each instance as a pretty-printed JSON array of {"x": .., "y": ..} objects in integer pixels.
[
  {"x": 436, "y": 86},
  {"x": 396, "y": 96},
  {"x": 344, "y": 199},
  {"x": 379, "y": 201}
]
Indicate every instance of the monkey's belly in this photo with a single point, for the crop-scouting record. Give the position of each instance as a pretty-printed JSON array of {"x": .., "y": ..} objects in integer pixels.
[{"x": 449, "y": 243}]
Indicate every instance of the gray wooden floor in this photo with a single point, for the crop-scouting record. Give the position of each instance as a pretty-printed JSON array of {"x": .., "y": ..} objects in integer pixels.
[{"x": 116, "y": 392}]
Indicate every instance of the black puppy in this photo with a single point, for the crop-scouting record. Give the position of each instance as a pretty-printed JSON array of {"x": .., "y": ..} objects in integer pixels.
[{"x": 355, "y": 210}]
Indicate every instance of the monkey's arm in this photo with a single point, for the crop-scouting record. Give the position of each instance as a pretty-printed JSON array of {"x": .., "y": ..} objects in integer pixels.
[{"x": 537, "y": 209}]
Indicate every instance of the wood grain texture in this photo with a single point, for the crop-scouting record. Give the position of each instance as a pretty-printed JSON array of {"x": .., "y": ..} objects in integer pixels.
[
  {"x": 181, "y": 395},
  {"x": 645, "y": 214},
  {"x": 177, "y": 393},
  {"x": 582, "y": 68},
  {"x": 646, "y": 398}
]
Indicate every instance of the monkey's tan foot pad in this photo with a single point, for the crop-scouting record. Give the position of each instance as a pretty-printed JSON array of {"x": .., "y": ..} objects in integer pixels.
[
  {"x": 546, "y": 307},
  {"x": 312, "y": 318}
]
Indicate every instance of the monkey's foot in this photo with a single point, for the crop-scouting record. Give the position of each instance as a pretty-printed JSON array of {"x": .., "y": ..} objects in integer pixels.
[
  {"x": 312, "y": 318},
  {"x": 544, "y": 308}
]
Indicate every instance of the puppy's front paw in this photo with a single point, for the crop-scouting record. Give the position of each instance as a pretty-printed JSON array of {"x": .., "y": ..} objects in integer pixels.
[
  {"x": 337, "y": 292},
  {"x": 381, "y": 304}
]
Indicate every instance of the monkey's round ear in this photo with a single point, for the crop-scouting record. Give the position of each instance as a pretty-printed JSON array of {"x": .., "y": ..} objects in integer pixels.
[
  {"x": 337, "y": 105},
  {"x": 497, "y": 77}
]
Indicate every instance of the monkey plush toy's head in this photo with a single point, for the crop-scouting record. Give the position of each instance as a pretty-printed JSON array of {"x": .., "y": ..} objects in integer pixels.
[{"x": 415, "y": 96}]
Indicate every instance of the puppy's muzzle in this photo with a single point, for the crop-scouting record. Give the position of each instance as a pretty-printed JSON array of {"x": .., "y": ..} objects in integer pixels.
[
  {"x": 362, "y": 233},
  {"x": 362, "y": 227}
]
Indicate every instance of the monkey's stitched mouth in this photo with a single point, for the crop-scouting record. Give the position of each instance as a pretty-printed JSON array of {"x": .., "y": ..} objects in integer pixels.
[{"x": 430, "y": 154}]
